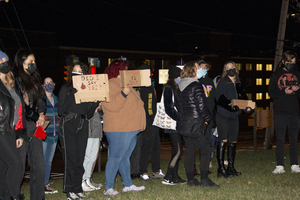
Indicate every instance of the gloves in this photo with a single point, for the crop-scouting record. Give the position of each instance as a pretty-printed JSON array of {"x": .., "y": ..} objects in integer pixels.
[
  {"x": 203, "y": 128},
  {"x": 235, "y": 109},
  {"x": 74, "y": 90}
]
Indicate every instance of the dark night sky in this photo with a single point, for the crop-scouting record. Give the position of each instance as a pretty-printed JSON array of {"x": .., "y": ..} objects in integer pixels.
[{"x": 151, "y": 25}]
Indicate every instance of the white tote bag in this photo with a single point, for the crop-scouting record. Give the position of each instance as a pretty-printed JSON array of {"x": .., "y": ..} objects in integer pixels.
[{"x": 162, "y": 120}]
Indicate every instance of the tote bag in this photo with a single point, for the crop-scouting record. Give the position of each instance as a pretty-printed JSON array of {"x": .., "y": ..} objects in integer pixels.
[{"x": 162, "y": 120}]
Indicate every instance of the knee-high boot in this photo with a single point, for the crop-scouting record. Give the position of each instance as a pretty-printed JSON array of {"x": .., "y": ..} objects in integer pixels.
[
  {"x": 220, "y": 157},
  {"x": 231, "y": 157}
]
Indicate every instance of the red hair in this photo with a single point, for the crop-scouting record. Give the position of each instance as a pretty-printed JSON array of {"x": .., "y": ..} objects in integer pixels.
[{"x": 113, "y": 69}]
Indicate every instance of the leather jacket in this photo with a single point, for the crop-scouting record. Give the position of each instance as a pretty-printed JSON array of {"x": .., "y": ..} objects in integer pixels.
[
  {"x": 192, "y": 101},
  {"x": 7, "y": 111}
]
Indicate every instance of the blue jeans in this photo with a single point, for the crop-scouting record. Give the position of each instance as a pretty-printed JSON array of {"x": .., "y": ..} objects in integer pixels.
[
  {"x": 213, "y": 140},
  {"x": 121, "y": 145},
  {"x": 48, "y": 150}
]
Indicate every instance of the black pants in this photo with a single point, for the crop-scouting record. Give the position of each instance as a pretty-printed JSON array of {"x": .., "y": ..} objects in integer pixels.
[
  {"x": 73, "y": 139},
  {"x": 135, "y": 156},
  {"x": 228, "y": 129},
  {"x": 281, "y": 123},
  {"x": 34, "y": 150},
  {"x": 10, "y": 166},
  {"x": 177, "y": 150},
  {"x": 192, "y": 145},
  {"x": 150, "y": 146}
]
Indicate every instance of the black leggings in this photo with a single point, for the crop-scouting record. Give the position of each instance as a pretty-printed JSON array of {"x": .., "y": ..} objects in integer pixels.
[
  {"x": 10, "y": 165},
  {"x": 192, "y": 145},
  {"x": 176, "y": 155}
]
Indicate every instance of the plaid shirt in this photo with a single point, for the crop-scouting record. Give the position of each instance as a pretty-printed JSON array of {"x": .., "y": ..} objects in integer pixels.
[{"x": 52, "y": 116}]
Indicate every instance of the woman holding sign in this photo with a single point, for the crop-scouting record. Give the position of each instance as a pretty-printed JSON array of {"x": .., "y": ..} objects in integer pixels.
[
  {"x": 227, "y": 117},
  {"x": 73, "y": 132},
  {"x": 124, "y": 117}
]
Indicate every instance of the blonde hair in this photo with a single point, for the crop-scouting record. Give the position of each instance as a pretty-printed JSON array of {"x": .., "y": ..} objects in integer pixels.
[
  {"x": 189, "y": 70},
  {"x": 10, "y": 79},
  {"x": 224, "y": 69}
]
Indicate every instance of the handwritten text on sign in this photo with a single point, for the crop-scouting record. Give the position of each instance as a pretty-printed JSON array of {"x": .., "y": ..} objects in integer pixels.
[{"x": 91, "y": 82}]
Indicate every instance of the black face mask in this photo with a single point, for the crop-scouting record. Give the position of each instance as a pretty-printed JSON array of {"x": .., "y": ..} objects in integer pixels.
[
  {"x": 231, "y": 72},
  {"x": 31, "y": 68},
  {"x": 290, "y": 66},
  {"x": 5, "y": 67}
]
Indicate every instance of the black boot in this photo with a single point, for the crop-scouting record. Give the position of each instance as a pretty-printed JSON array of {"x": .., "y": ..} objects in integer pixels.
[
  {"x": 220, "y": 157},
  {"x": 19, "y": 197},
  {"x": 231, "y": 158}
]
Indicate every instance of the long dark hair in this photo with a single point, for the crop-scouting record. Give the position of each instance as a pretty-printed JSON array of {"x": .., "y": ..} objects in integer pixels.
[
  {"x": 171, "y": 84},
  {"x": 31, "y": 83},
  {"x": 84, "y": 68}
]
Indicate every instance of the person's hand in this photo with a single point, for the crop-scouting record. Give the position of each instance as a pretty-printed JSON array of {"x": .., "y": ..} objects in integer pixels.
[
  {"x": 203, "y": 128},
  {"x": 295, "y": 88},
  {"x": 74, "y": 90},
  {"x": 235, "y": 108},
  {"x": 126, "y": 90},
  {"x": 248, "y": 110},
  {"x": 288, "y": 90},
  {"x": 19, "y": 143},
  {"x": 41, "y": 120}
]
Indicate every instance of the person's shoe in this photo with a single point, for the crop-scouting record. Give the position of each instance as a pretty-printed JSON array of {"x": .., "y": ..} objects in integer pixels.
[
  {"x": 278, "y": 170},
  {"x": 135, "y": 176},
  {"x": 80, "y": 195},
  {"x": 161, "y": 173},
  {"x": 18, "y": 197},
  {"x": 168, "y": 181},
  {"x": 295, "y": 169},
  {"x": 144, "y": 177},
  {"x": 110, "y": 191},
  {"x": 208, "y": 183},
  {"x": 157, "y": 175},
  {"x": 193, "y": 182},
  {"x": 72, "y": 196},
  {"x": 210, "y": 165},
  {"x": 86, "y": 187},
  {"x": 93, "y": 185},
  {"x": 49, "y": 190},
  {"x": 179, "y": 180},
  {"x": 133, "y": 188}
]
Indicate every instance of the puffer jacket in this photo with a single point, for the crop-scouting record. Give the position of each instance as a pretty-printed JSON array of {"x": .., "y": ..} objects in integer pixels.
[
  {"x": 192, "y": 100},
  {"x": 7, "y": 110}
]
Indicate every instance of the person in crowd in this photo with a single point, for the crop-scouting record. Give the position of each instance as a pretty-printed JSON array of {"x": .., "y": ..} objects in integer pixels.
[
  {"x": 29, "y": 84},
  {"x": 91, "y": 152},
  {"x": 171, "y": 108},
  {"x": 49, "y": 144},
  {"x": 12, "y": 132},
  {"x": 286, "y": 110},
  {"x": 195, "y": 117},
  {"x": 73, "y": 132},
  {"x": 209, "y": 91},
  {"x": 150, "y": 136},
  {"x": 229, "y": 87},
  {"x": 123, "y": 118}
]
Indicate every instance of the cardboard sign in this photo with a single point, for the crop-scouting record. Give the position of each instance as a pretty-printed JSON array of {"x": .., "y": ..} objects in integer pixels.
[
  {"x": 243, "y": 104},
  {"x": 91, "y": 88},
  {"x": 135, "y": 77},
  {"x": 163, "y": 76}
]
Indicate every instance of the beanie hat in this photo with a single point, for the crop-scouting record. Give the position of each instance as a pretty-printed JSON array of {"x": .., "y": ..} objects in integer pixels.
[
  {"x": 201, "y": 62},
  {"x": 144, "y": 66},
  {"x": 3, "y": 55},
  {"x": 174, "y": 72}
]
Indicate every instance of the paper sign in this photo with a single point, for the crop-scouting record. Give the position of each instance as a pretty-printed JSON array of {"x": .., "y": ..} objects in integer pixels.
[
  {"x": 91, "y": 88},
  {"x": 163, "y": 76},
  {"x": 243, "y": 104},
  {"x": 135, "y": 78}
]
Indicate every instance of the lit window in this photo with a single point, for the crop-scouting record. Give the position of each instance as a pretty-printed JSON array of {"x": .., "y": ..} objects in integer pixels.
[
  {"x": 267, "y": 81},
  {"x": 258, "y": 96},
  {"x": 267, "y": 96},
  {"x": 268, "y": 67},
  {"x": 249, "y": 95},
  {"x": 258, "y": 67},
  {"x": 249, "y": 67},
  {"x": 239, "y": 66},
  {"x": 258, "y": 81}
]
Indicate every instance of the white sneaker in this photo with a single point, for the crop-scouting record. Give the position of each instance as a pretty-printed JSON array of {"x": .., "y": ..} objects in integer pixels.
[
  {"x": 210, "y": 165},
  {"x": 72, "y": 196},
  {"x": 110, "y": 191},
  {"x": 133, "y": 188},
  {"x": 225, "y": 162},
  {"x": 80, "y": 195},
  {"x": 278, "y": 170},
  {"x": 93, "y": 185},
  {"x": 145, "y": 177},
  {"x": 295, "y": 168},
  {"x": 160, "y": 173},
  {"x": 86, "y": 187}
]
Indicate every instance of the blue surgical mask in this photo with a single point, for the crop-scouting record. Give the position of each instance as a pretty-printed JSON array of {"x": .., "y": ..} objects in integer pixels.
[
  {"x": 201, "y": 72},
  {"x": 177, "y": 80}
]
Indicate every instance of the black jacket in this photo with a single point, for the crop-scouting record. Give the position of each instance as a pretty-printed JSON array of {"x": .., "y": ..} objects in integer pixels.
[
  {"x": 148, "y": 96},
  {"x": 170, "y": 105},
  {"x": 192, "y": 100},
  {"x": 7, "y": 110}
]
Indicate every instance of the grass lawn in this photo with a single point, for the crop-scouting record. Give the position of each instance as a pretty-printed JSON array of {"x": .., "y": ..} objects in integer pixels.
[{"x": 257, "y": 182}]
